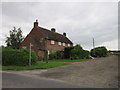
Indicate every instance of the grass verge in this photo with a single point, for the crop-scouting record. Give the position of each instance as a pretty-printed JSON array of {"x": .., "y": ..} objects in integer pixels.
[
  {"x": 43, "y": 65},
  {"x": 68, "y": 60},
  {"x": 38, "y": 65}
]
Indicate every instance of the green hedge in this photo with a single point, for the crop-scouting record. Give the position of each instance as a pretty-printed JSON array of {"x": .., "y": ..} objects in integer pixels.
[
  {"x": 67, "y": 52},
  {"x": 73, "y": 52},
  {"x": 79, "y": 53},
  {"x": 19, "y": 57},
  {"x": 56, "y": 55},
  {"x": 99, "y": 52}
]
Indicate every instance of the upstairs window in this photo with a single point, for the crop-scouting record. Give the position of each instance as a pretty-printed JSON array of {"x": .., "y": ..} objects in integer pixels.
[
  {"x": 52, "y": 42},
  {"x": 59, "y": 43},
  {"x": 68, "y": 45},
  {"x": 63, "y": 44}
]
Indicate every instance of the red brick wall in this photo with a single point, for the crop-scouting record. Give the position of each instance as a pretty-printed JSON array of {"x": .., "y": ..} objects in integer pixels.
[
  {"x": 51, "y": 47},
  {"x": 41, "y": 54},
  {"x": 55, "y": 47},
  {"x": 28, "y": 40}
]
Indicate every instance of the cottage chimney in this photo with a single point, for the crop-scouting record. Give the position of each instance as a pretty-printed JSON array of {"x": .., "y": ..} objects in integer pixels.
[
  {"x": 53, "y": 30},
  {"x": 64, "y": 34},
  {"x": 36, "y": 24}
]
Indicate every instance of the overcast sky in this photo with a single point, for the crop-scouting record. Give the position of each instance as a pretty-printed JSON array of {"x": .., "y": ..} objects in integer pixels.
[{"x": 80, "y": 20}]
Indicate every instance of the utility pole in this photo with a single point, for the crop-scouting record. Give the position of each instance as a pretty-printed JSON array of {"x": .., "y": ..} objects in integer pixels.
[
  {"x": 94, "y": 46},
  {"x": 93, "y": 43}
]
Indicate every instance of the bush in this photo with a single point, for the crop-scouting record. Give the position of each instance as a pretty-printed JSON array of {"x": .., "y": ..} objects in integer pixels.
[
  {"x": 73, "y": 52},
  {"x": 56, "y": 55},
  {"x": 99, "y": 52},
  {"x": 78, "y": 53},
  {"x": 67, "y": 52},
  {"x": 86, "y": 53},
  {"x": 18, "y": 57}
]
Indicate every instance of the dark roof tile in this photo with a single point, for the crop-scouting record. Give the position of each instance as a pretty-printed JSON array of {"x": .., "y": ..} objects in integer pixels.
[{"x": 54, "y": 36}]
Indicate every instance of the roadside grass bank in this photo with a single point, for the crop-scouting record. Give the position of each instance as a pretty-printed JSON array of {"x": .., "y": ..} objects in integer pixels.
[
  {"x": 38, "y": 65},
  {"x": 68, "y": 60},
  {"x": 43, "y": 65}
]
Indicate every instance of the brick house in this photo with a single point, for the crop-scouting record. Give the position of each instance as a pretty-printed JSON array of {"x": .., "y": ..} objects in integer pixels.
[{"x": 43, "y": 39}]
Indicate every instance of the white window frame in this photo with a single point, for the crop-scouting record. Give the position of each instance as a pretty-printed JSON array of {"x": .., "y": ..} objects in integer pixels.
[
  {"x": 68, "y": 45},
  {"x": 52, "y": 42},
  {"x": 63, "y": 44},
  {"x": 59, "y": 43},
  {"x": 48, "y": 52}
]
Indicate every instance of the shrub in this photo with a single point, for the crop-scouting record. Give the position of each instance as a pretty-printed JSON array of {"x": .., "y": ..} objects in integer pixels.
[
  {"x": 18, "y": 57},
  {"x": 67, "y": 52},
  {"x": 117, "y": 53},
  {"x": 99, "y": 52},
  {"x": 78, "y": 53},
  {"x": 73, "y": 52},
  {"x": 56, "y": 55},
  {"x": 86, "y": 53}
]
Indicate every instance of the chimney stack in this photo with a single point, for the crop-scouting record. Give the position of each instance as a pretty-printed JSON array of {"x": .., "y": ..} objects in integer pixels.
[
  {"x": 36, "y": 24},
  {"x": 53, "y": 30},
  {"x": 64, "y": 34}
]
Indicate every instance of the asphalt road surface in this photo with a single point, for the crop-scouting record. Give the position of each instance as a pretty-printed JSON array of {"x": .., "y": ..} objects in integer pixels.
[
  {"x": 97, "y": 73},
  {"x": 10, "y": 80}
]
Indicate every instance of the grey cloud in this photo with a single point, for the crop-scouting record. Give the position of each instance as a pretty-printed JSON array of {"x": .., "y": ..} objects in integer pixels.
[{"x": 81, "y": 21}]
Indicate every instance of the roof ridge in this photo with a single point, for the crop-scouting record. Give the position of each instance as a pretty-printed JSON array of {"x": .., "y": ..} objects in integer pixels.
[
  {"x": 51, "y": 31},
  {"x": 54, "y": 35}
]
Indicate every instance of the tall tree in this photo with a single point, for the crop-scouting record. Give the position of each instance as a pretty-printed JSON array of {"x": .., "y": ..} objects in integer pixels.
[{"x": 15, "y": 38}]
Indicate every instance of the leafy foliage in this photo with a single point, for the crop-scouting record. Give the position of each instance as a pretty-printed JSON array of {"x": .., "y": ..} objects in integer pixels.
[
  {"x": 74, "y": 52},
  {"x": 99, "y": 52},
  {"x": 19, "y": 57},
  {"x": 56, "y": 55},
  {"x": 67, "y": 52},
  {"x": 78, "y": 53},
  {"x": 15, "y": 38}
]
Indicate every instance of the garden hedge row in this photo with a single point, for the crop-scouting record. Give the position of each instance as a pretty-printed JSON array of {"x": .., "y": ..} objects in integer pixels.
[
  {"x": 99, "y": 52},
  {"x": 73, "y": 52},
  {"x": 18, "y": 57}
]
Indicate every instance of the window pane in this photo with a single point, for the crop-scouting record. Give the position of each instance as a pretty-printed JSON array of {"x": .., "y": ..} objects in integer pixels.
[
  {"x": 59, "y": 43},
  {"x": 68, "y": 45},
  {"x": 52, "y": 42},
  {"x": 63, "y": 44}
]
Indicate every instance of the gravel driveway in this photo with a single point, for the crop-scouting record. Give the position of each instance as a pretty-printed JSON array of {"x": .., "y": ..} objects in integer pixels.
[{"x": 97, "y": 73}]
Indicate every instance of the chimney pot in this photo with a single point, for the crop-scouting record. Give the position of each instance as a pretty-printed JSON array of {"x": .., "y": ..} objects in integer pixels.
[
  {"x": 53, "y": 30},
  {"x": 36, "y": 23},
  {"x": 64, "y": 34}
]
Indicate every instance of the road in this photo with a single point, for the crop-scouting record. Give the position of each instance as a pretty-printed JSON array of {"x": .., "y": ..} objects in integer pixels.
[
  {"x": 11, "y": 80},
  {"x": 97, "y": 73}
]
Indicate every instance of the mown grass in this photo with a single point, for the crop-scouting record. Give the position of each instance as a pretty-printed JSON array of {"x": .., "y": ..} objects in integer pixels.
[
  {"x": 68, "y": 60},
  {"x": 38, "y": 65},
  {"x": 43, "y": 65}
]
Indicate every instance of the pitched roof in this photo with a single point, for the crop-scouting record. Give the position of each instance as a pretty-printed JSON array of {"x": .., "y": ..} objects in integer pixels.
[
  {"x": 54, "y": 36},
  {"x": 37, "y": 33}
]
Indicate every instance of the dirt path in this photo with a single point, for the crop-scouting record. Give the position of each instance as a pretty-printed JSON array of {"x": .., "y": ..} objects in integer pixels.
[{"x": 98, "y": 73}]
